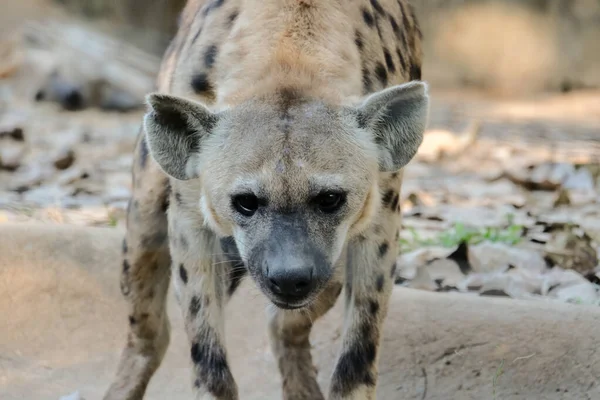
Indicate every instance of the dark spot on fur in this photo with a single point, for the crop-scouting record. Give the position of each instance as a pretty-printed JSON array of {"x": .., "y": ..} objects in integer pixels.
[
  {"x": 380, "y": 282},
  {"x": 184, "y": 243},
  {"x": 388, "y": 197},
  {"x": 178, "y": 198},
  {"x": 415, "y": 72},
  {"x": 389, "y": 62},
  {"x": 126, "y": 266},
  {"x": 338, "y": 291},
  {"x": 358, "y": 39},
  {"x": 354, "y": 367},
  {"x": 197, "y": 35},
  {"x": 383, "y": 249},
  {"x": 368, "y": 17},
  {"x": 154, "y": 241},
  {"x": 132, "y": 320},
  {"x": 124, "y": 246},
  {"x": 238, "y": 270},
  {"x": 395, "y": 26},
  {"x": 373, "y": 307},
  {"x": 210, "y": 55},
  {"x": 143, "y": 152},
  {"x": 183, "y": 273},
  {"x": 195, "y": 306},
  {"x": 289, "y": 97},
  {"x": 394, "y": 175},
  {"x": 165, "y": 201},
  {"x": 236, "y": 275},
  {"x": 394, "y": 203},
  {"x": 367, "y": 82},
  {"x": 377, "y": 7},
  {"x": 201, "y": 84},
  {"x": 401, "y": 58},
  {"x": 393, "y": 270},
  {"x": 232, "y": 17},
  {"x": 381, "y": 73},
  {"x": 212, "y": 369}
]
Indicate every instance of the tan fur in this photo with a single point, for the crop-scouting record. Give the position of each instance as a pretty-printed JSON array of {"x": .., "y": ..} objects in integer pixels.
[{"x": 265, "y": 95}]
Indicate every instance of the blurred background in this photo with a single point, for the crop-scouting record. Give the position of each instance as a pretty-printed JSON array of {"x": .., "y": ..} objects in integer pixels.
[
  {"x": 503, "y": 198},
  {"x": 511, "y": 153}
]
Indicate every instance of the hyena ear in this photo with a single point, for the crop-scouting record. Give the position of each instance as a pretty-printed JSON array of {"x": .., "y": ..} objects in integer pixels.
[
  {"x": 396, "y": 117},
  {"x": 175, "y": 129}
]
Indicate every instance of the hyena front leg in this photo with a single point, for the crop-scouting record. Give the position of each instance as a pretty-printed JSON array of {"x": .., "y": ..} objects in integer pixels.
[
  {"x": 203, "y": 284},
  {"x": 144, "y": 279},
  {"x": 289, "y": 334},
  {"x": 370, "y": 266}
]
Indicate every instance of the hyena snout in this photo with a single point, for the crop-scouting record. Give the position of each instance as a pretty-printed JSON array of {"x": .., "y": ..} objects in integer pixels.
[
  {"x": 292, "y": 273},
  {"x": 291, "y": 283}
]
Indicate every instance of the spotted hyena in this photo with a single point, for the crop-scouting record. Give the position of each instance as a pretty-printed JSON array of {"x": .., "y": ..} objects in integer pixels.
[{"x": 273, "y": 147}]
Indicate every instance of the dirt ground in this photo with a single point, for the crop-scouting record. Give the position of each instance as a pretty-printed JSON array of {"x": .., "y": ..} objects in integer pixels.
[
  {"x": 502, "y": 200},
  {"x": 64, "y": 324}
]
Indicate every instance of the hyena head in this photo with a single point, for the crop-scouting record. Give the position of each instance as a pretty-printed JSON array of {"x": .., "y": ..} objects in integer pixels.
[{"x": 292, "y": 179}]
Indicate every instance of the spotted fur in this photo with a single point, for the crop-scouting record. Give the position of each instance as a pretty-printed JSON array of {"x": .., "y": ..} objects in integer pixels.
[{"x": 310, "y": 95}]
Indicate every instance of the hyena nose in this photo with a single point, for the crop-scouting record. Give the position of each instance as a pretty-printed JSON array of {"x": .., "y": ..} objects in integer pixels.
[{"x": 297, "y": 282}]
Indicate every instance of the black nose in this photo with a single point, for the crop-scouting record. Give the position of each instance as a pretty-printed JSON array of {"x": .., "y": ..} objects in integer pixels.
[{"x": 291, "y": 283}]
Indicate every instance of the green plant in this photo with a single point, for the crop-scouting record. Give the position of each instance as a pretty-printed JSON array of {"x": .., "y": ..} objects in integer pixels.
[
  {"x": 499, "y": 372},
  {"x": 459, "y": 232}
]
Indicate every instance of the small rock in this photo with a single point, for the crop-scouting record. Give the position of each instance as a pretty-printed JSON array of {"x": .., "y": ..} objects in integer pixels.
[
  {"x": 117, "y": 193},
  {"x": 422, "y": 280},
  {"x": 581, "y": 179},
  {"x": 518, "y": 284},
  {"x": 72, "y": 175},
  {"x": 15, "y": 133},
  {"x": 488, "y": 257},
  {"x": 12, "y": 127},
  {"x": 559, "y": 277},
  {"x": 45, "y": 195},
  {"x": 32, "y": 176},
  {"x": 64, "y": 159},
  {"x": 409, "y": 262},
  {"x": 445, "y": 271},
  {"x": 11, "y": 155},
  {"x": 580, "y": 293}
]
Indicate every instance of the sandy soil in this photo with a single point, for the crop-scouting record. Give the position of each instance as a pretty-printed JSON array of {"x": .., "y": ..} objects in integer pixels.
[{"x": 63, "y": 325}]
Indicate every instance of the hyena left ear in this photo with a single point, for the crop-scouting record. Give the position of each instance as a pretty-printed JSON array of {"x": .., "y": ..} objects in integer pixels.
[
  {"x": 175, "y": 129},
  {"x": 396, "y": 117}
]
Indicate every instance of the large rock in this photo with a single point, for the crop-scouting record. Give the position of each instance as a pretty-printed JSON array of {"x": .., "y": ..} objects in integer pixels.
[{"x": 63, "y": 325}]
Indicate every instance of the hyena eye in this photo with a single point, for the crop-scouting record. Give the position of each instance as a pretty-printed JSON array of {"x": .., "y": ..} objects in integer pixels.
[
  {"x": 329, "y": 202},
  {"x": 245, "y": 204}
]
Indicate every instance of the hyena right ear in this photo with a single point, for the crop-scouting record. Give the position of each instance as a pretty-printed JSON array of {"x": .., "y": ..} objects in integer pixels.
[{"x": 175, "y": 129}]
